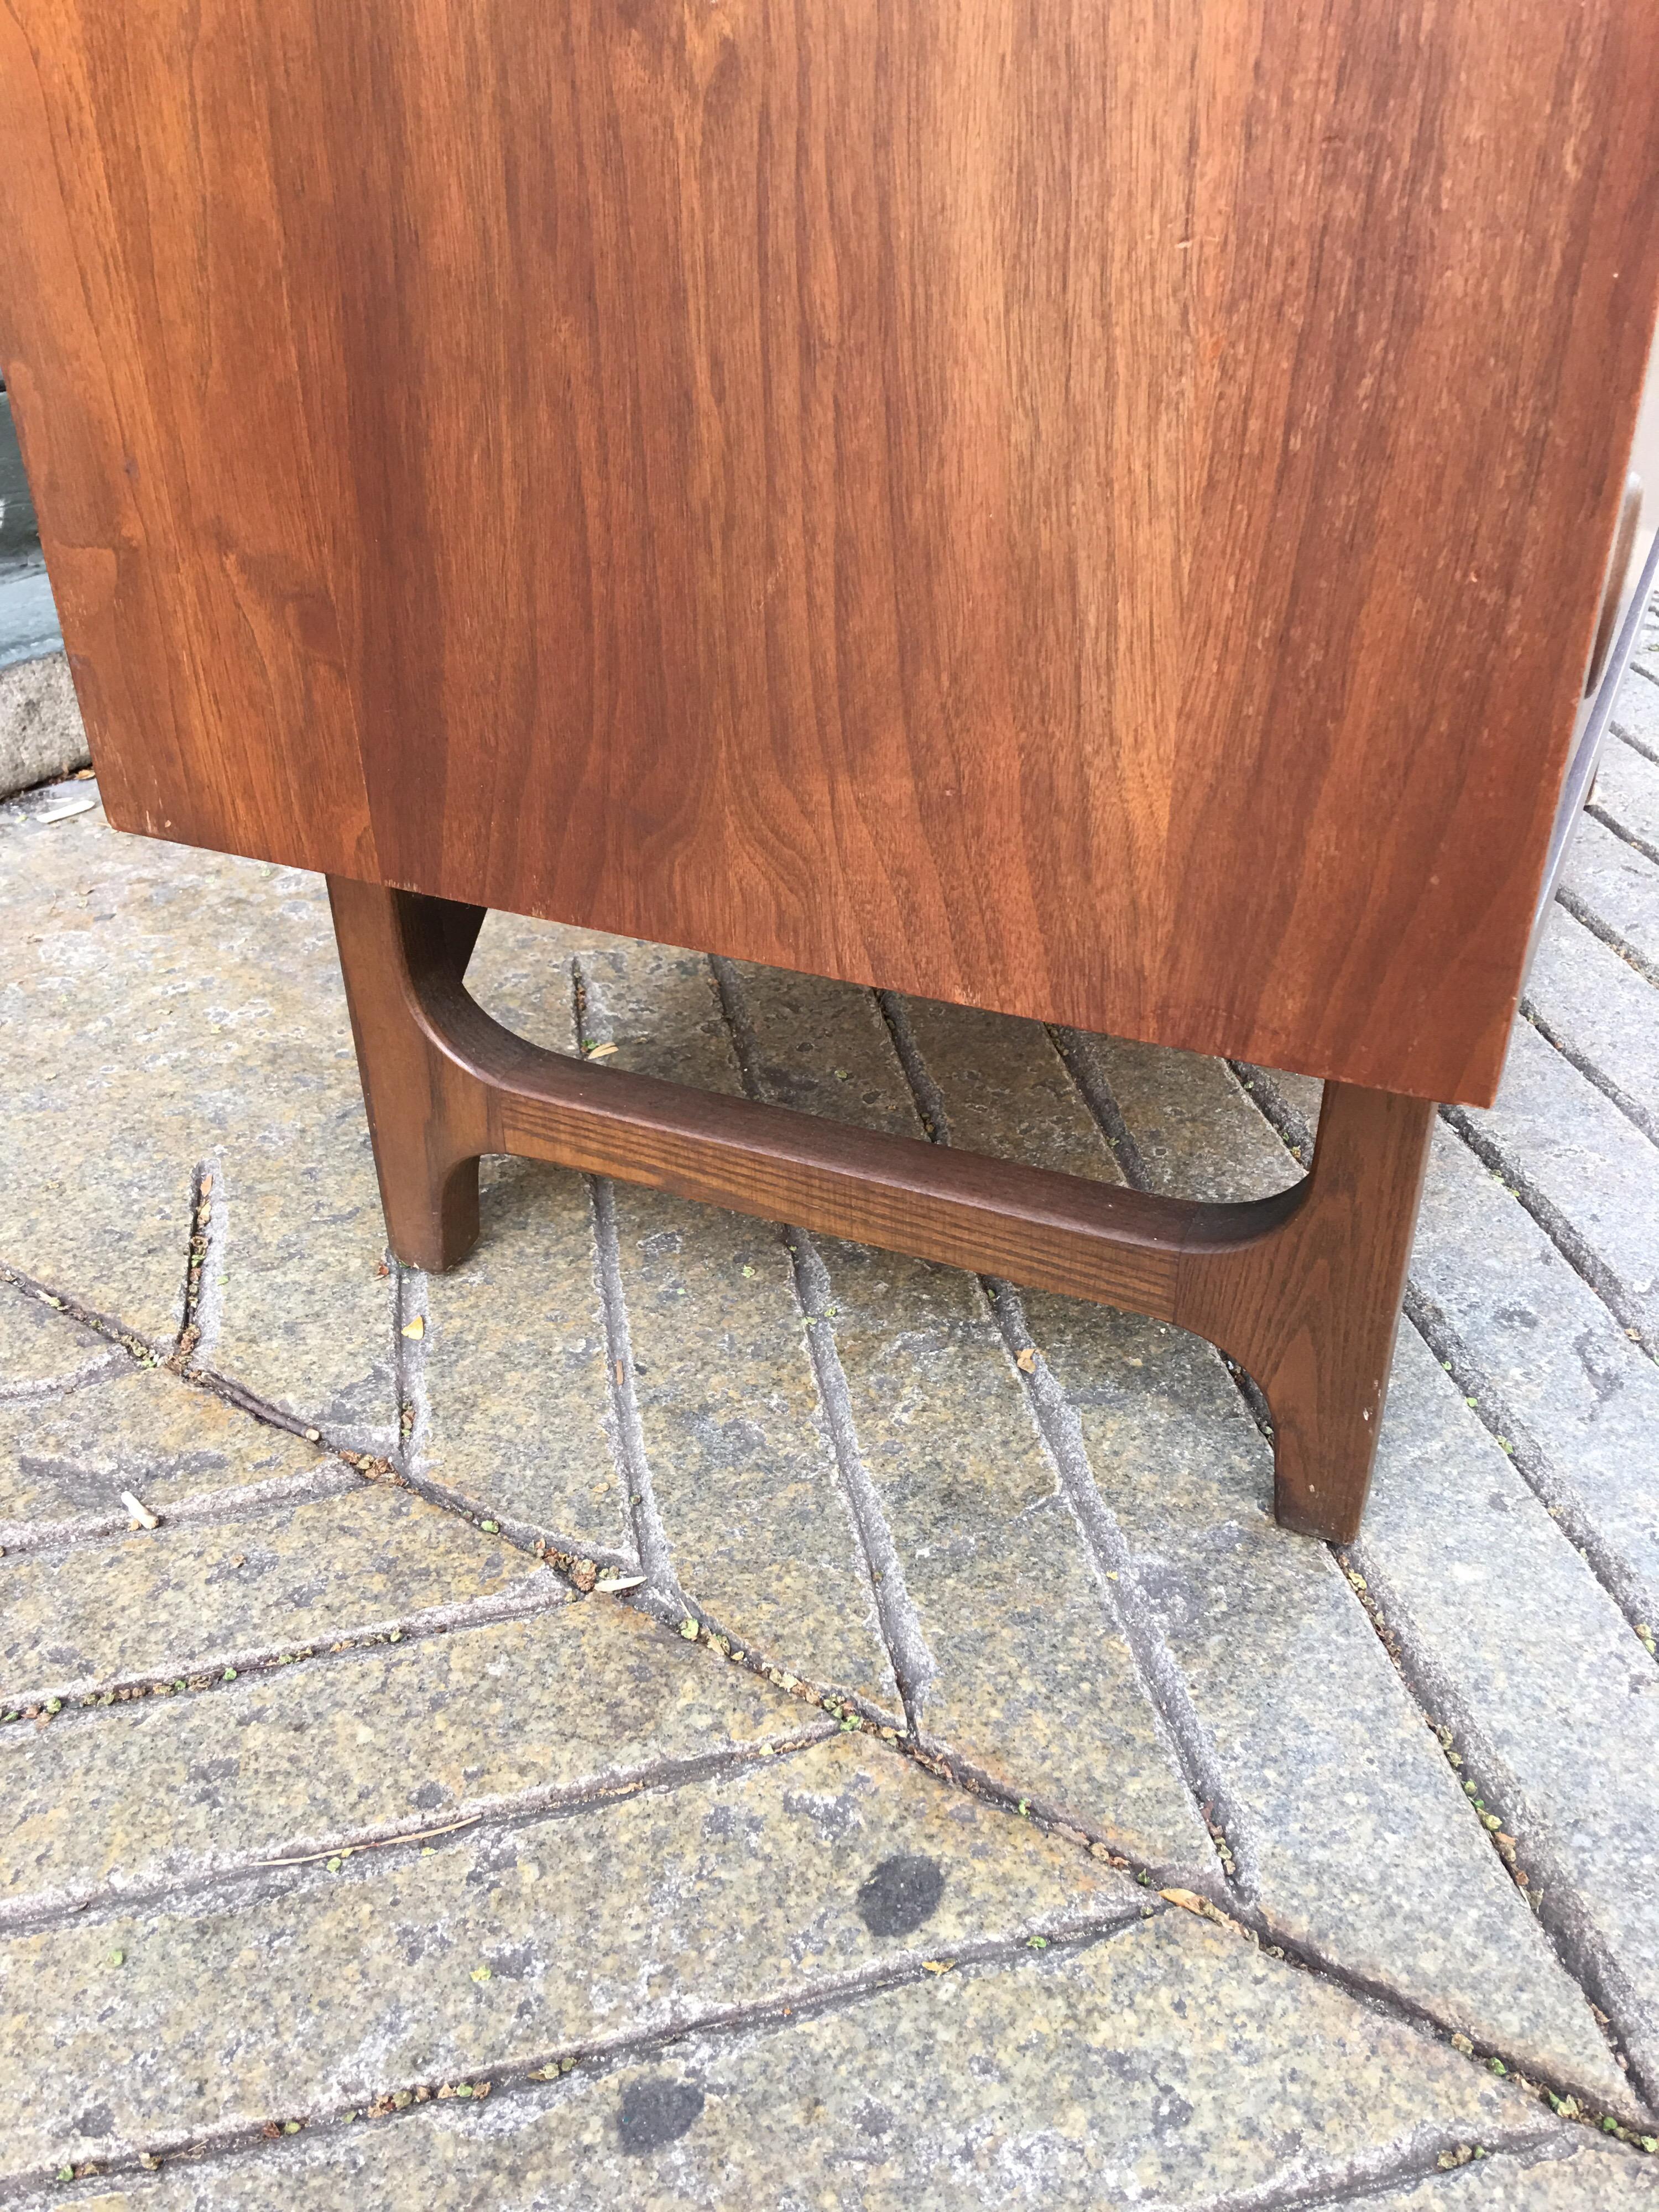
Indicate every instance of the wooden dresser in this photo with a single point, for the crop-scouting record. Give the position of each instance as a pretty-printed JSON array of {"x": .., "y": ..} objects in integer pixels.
[{"x": 1095, "y": 511}]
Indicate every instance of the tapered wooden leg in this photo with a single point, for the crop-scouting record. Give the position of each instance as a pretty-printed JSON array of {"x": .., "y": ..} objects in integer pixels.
[
  {"x": 1302, "y": 1289},
  {"x": 1312, "y": 1311},
  {"x": 426, "y": 1115}
]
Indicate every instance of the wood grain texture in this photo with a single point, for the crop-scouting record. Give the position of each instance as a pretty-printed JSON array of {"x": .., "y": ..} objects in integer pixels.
[
  {"x": 1301, "y": 1288},
  {"x": 1095, "y": 511}
]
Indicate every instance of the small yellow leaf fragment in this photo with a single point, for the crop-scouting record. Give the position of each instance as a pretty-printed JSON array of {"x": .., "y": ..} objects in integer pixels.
[
  {"x": 416, "y": 1328},
  {"x": 1026, "y": 1360},
  {"x": 601, "y": 1051},
  {"x": 688, "y": 1629},
  {"x": 937, "y": 1965}
]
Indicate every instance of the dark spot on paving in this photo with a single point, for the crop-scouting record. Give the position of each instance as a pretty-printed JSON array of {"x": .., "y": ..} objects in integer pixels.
[
  {"x": 656, "y": 2111},
  {"x": 207, "y": 1772},
  {"x": 1521, "y": 1317},
  {"x": 1170, "y": 2115},
  {"x": 875, "y": 2119},
  {"x": 96, "y": 2120},
  {"x": 430, "y": 1794},
  {"x": 1497, "y": 1502},
  {"x": 901, "y": 1894}
]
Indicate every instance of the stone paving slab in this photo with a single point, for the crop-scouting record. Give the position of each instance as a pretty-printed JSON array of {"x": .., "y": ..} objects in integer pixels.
[
  {"x": 97, "y": 959},
  {"x": 628, "y": 1917},
  {"x": 42, "y": 1351},
  {"x": 1550, "y": 1367},
  {"x": 742, "y": 1469},
  {"x": 67, "y": 1459},
  {"x": 1597, "y": 2178},
  {"x": 1613, "y": 887},
  {"x": 1593, "y": 1006},
  {"x": 1553, "y": 1701},
  {"x": 1577, "y": 1158},
  {"x": 1185, "y": 1116},
  {"x": 511, "y": 1382},
  {"x": 1636, "y": 712},
  {"x": 303, "y": 1297},
  {"x": 1627, "y": 795},
  {"x": 193, "y": 1004},
  {"x": 1031, "y": 1680},
  {"x": 1168, "y": 2067},
  {"x": 1347, "y": 1827},
  {"x": 583, "y": 1698},
  {"x": 191, "y": 1596}
]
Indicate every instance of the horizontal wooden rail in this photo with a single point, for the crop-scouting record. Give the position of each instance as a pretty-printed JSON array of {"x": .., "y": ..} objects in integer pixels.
[{"x": 1302, "y": 1288}]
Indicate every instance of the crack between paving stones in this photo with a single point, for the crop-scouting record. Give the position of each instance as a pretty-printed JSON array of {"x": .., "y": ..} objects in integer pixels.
[
  {"x": 1077, "y": 1053},
  {"x": 207, "y": 1670},
  {"x": 413, "y": 1414},
  {"x": 1629, "y": 737},
  {"x": 1531, "y": 1462},
  {"x": 603, "y": 2054},
  {"x": 1622, "y": 831},
  {"x": 1579, "y": 1255},
  {"x": 395, "y": 1842},
  {"x": 1576, "y": 1945},
  {"x": 1507, "y": 1429},
  {"x": 23, "y": 1540},
  {"x": 1104, "y": 1544},
  {"x": 144, "y": 1353},
  {"x": 1369, "y": 2174},
  {"x": 1581, "y": 910},
  {"x": 1631, "y": 1109},
  {"x": 1249, "y": 1923},
  {"x": 655, "y": 1555},
  {"x": 912, "y": 1665}
]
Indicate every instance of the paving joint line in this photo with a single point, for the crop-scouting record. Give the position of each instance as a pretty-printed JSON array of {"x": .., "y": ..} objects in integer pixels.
[
  {"x": 1485, "y": 1399},
  {"x": 1622, "y": 831},
  {"x": 1372, "y": 2173},
  {"x": 1579, "y": 1255},
  {"x": 1582, "y": 1954},
  {"x": 626, "y": 1429},
  {"x": 408, "y": 1319},
  {"x": 1628, "y": 737},
  {"x": 313, "y": 1863},
  {"x": 1631, "y": 1109},
  {"x": 1574, "y": 1957},
  {"x": 912, "y": 1664},
  {"x": 1078, "y": 1054},
  {"x": 210, "y": 1670},
  {"x": 595, "y": 2055},
  {"x": 330, "y": 1478},
  {"x": 1581, "y": 910},
  {"x": 201, "y": 1307},
  {"x": 1104, "y": 1544}
]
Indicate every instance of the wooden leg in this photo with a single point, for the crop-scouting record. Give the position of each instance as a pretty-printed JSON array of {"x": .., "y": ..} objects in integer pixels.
[
  {"x": 425, "y": 1112},
  {"x": 1302, "y": 1289},
  {"x": 1312, "y": 1310}
]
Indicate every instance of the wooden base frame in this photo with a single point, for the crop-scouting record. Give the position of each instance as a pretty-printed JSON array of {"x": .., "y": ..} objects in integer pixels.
[{"x": 1302, "y": 1289}]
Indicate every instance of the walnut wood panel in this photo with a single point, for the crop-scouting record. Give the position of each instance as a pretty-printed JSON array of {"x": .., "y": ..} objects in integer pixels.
[
  {"x": 1301, "y": 1288},
  {"x": 1093, "y": 510}
]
